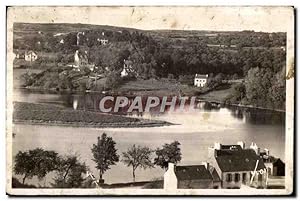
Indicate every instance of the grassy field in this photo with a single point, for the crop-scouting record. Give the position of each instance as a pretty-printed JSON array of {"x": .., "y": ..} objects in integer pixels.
[
  {"x": 217, "y": 95},
  {"x": 158, "y": 87},
  {"x": 31, "y": 113}
]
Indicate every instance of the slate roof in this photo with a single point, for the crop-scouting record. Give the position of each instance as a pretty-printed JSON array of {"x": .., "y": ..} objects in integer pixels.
[
  {"x": 278, "y": 161},
  {"x": 193, "y": 172},
  {"x": 238, "y": 160},
  {"x": 201, "y": 76},
  {"x": 234, "y": 146}
]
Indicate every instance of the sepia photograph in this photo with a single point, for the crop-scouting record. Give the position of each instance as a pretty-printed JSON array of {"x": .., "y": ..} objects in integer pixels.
[{"x": 150, "y": 100}]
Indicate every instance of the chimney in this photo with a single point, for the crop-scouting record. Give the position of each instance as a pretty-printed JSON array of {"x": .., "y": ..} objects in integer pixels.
[
  {"x": 242, "y": 144},
  {"x": 217, "y": 146},
  {"x": 267, "y": 152},
  {"x": 170, "y": 179},
  {"x": 255, "y": 148}
]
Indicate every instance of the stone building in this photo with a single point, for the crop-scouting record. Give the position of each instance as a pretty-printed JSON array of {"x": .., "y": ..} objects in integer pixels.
[
  {"x": 238, "y": 165},
  {"x": 191, "y": 177}
]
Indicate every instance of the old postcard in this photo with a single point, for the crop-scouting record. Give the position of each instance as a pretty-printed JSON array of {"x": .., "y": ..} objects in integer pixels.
[{"x": 139, "y": 100}]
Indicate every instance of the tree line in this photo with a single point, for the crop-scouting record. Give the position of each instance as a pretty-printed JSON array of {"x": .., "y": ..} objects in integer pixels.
[
  {"x": 70, "y": 170},
  {"x": 156, "y": 57}
]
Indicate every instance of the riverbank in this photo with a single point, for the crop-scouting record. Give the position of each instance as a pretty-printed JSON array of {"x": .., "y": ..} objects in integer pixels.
[{"x": 51, "y": 115}]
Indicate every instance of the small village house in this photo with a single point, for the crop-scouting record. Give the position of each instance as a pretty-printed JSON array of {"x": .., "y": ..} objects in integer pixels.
[
  {"x": 200, "y": 80},
  {"x": 238, "y": 165},
  {"x": 191, "y": 177},
  {"x": 127, "y": 68},
  {"x": 275, "y": 166},
  {"x": 103, "y": 41},
  {"x": 80, "y": 58},
  {"x": 30, "y": 56}
]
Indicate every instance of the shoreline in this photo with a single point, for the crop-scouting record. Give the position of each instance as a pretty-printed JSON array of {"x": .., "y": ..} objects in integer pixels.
[
  {"x": 151, "y": 123},
  {"x": 198, "y": 98},
  {"x": 240, "y": 105},
  {"x": 52, "y": 115}
]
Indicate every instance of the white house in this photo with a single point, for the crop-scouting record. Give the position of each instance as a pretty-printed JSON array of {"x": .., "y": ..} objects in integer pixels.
[
  {"x": 102, "y": 41},
  {"x": 30, "y": 56},
  {"x": 200, "y": 80},
  {"x": 81, "y": 58},
  {"x": 127, "y": 68}
]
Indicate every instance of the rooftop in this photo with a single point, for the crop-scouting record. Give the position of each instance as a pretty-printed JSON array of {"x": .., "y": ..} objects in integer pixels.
[
  {"x": 201, "y": 76},
  {"x": 237, "y": 160},
  {"x": 193, "y": 172}
]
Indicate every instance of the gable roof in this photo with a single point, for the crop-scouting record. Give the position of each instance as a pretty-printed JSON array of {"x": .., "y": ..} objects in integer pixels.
[
  {"x": 30, "y": 52},
  {"x": 278, "y": 162},
  {"x": 231, "y": 147},
  {"x": 192, "y": 172},
  {"x": 203, "y": 76},
  {"x": 214, "y": 174},
  {"x": 238, "y": 160}
]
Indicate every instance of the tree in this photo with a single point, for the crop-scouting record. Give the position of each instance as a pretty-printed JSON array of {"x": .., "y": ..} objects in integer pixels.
[
  {"x": 137, "y": 156},
  {"x": 69, "y": 172},
  {"x": 105, "y": 154},
  {"x": 28, "y": 79},
  {"x": 170, "y": 76},
  {"x": 169, "y": 153},
  {"x": 113, "y": 80},
  {"x": 257, "y": 84},
  {"x": 37, "y": 162}
]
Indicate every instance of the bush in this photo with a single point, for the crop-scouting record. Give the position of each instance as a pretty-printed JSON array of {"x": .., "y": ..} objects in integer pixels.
[{"x": 113, "y": 81}]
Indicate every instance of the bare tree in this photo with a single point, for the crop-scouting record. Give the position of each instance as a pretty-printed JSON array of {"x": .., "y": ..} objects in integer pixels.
[{"x": 137, "y": 156}]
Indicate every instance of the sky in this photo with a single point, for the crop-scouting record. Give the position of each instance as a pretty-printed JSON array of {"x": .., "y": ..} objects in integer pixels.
[{"x": 267, "y": 19}]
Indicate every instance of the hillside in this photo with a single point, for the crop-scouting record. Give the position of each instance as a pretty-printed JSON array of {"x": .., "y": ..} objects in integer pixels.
[{"x": 107, "y": 51}]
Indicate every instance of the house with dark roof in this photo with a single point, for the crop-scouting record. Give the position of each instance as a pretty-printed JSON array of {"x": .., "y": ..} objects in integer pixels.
[
  {"x": 238, "y": 166},
  {"x": 30, "y": 56},
  {"x": 275, "y": 166},
  {"x": 191, "y": 177},
  {"x": 200, "y": 80}
]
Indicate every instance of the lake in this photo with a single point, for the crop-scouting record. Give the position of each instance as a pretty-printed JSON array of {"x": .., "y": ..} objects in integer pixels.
[{"x": 196, "y": 131}]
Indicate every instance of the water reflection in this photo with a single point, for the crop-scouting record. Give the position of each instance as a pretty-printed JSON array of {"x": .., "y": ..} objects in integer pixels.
[
  {"x": 196, "y": 131},
  {"x": 247, "y": 115},
  {"x": 90, "y": 102}
]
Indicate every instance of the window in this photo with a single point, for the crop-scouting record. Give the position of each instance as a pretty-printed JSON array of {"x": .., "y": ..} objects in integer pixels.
[
  {"x": 236, "y": 177},
  {"x": 228, "y": 177}
]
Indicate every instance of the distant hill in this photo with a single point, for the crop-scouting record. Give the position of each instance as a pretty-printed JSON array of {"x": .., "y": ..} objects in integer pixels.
[{"x": 54, "y": 28}]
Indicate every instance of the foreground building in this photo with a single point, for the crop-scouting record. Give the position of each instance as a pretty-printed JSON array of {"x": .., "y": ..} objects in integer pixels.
[
  {"x": 238, "y": 165},
  {"x": 275, "y": 166},
  {"x": 191, "y": 177}
]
